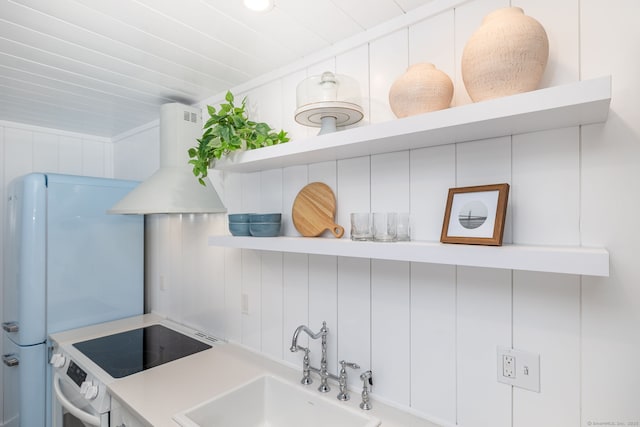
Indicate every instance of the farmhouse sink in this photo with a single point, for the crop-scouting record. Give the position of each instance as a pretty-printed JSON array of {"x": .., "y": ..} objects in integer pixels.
[{"x": 268, "y": 401}]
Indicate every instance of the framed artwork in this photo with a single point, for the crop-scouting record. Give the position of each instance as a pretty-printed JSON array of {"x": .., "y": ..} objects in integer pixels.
[{"x": 475, "y": 215}]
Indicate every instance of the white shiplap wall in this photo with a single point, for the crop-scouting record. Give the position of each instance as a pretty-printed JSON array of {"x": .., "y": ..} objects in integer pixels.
[
  {"x": 25, "y": 149},
  {"x": 430, "y": 332}
]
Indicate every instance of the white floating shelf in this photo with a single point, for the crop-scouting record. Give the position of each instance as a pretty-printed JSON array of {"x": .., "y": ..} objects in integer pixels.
[
  {"x": 552, "y": 259},
  {"x": 572, "y": 104}
]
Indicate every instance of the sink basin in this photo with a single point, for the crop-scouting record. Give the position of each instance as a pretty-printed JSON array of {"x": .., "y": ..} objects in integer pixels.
[{"x": 268, "y": 401}]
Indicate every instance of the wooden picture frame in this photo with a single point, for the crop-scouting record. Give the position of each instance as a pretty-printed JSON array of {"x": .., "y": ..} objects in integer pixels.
[{"x": 475, "y": 215}]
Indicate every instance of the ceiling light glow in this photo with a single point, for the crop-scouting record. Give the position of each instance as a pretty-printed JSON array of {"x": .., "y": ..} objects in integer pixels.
[{"x": 259, "y": 5}]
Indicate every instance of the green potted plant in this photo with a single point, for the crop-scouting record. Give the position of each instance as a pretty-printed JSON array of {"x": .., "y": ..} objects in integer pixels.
[{"x": 229, "y": 129}]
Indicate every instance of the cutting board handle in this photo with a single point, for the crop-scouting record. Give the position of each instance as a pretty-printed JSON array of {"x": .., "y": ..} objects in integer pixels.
[{"x": 337, "y": 230}]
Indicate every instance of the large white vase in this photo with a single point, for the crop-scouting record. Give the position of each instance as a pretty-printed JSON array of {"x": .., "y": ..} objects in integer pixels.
[{"x": 505, "y": 56}]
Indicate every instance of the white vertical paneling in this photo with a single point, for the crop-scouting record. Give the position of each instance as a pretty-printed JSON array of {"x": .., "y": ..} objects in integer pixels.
[
  {"x": 545, "y": 192},
  {"x": 264, "y": 104},
  {"x": 355, "y": 64},
  {"x": 174, "y": 271},
  {"x": 152, "y": 263},
  {"x": 388, "y": 60},
  {"x": 296, "y": 300},
  {"x": 323, "y": 306},
  {"x": 391, "y": 330},
  {"x": 468, "y": 19},
  {"x": 251, "y": 267},
  {"x": 251, "y": 191},
  {"x": 233, "y": 192},
  {"x": 272, "y": 303},
  {"x": 45, "y": 152},
  {"x": 546, "y": 320},
  {"x": 390, "y": 285},
  {"x": 92, "y": 158},
  {"x": 353, "y": 183},
  {"x": 390, "y": 182},
  {"x": 251, "y": 291},
  {"x": 233, "y": 294},
  {"x": 433, "y": 340},
  {"x": 483, "y": 323},
  {"x": 432, "y": 40},
  {"x": 354, "y": 313},
  {"x": 432, "y": 174},
  {"x": 323, "y": 281},
  {"x": 198, "y": 276},
  {"x": 272, "y": 265},
  {"x": 271, "y": 191},
  {"x": 215, "y": 276},
  {"x": 354, "y": 275},
  {"x": 609, "y": 206},
  {"x": 233, "y": 263},
  {"x": 486, "y": 162},
  {"x": 290, "y": 82},
  {"x": 163, "y": 266},
  {"x": 293, "y": 179},
  {"x": 18, "y": 153},
  {"x": 484, "y": 301},
  {"x": 323, "y": 172},
  {"x": 70, "y": 155},
  {"x": 562, "y": 25}
]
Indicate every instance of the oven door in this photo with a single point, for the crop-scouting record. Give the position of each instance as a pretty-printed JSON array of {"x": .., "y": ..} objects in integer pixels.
[{"x": 71, "y": 409}]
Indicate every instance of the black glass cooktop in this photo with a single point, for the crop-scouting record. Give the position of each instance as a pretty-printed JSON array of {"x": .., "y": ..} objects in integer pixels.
[{"x": 134, "y": 351}]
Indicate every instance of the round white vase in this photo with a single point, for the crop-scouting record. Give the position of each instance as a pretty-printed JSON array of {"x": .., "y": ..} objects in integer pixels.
[
  {"x": 422, "y": 88},
  {"x": 505, "y": 56}
]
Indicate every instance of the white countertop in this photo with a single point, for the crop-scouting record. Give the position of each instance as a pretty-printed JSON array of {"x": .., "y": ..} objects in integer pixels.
[{"x": 155, "y": 395}]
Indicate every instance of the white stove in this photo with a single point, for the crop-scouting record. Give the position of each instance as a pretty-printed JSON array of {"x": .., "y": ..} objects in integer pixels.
[{"x": 85, "y": 365}]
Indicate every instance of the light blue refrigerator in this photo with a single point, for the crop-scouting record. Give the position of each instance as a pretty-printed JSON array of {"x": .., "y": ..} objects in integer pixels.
[{"x": 67, "y": 264}]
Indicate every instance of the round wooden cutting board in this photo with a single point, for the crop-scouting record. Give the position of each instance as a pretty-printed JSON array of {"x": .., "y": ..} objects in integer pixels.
[{"x": 314, "y": 210}]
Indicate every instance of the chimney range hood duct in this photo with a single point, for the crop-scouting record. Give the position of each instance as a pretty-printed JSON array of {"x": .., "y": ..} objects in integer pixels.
[{"x": 173, "y": 188}]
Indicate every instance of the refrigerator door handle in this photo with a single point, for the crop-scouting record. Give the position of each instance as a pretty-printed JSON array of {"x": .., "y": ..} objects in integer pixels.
[
  {"x": 10, "y": 326},
  {"x": 86, "y": 417},
  {"x": 10, "y": 360}
]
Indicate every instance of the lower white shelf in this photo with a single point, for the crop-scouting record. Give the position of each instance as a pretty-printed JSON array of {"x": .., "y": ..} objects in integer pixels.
[{"x": 551, "y": 259}]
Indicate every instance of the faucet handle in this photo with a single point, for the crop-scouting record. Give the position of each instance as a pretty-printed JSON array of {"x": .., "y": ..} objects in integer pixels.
[
  {"x": 351, "y": 365},
  {"x": 342, "y": 379}
]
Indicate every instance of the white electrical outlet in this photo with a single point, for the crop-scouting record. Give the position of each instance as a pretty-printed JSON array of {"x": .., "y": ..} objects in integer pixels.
[
  {"x": 508, "y": 366},
  {"x": 519, "y": 368}
]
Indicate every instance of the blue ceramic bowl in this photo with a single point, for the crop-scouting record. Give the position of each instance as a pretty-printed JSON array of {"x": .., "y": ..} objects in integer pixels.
[
  {"x": 263, "y": 218},
  {"x": 239, "y": 217},
  {"x": 264, "y": 229},
  {"x": 239, "y": 229}
]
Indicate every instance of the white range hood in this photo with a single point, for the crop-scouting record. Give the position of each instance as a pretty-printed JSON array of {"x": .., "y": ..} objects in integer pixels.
[{"x": 173, "y": 188}]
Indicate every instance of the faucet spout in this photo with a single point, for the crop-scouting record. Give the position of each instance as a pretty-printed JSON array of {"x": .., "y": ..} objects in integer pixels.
[{"x": 303, "y": 328}]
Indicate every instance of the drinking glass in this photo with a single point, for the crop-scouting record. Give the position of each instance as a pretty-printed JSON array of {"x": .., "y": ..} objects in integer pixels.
[
  {"x": 361, "y": 226},
  {"x": 385, "y": 227}
]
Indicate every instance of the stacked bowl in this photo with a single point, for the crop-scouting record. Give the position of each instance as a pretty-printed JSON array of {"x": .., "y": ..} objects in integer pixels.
[
  {"x": 239, "y": 224},
  {"x": 265, "y": 225},
  {"x": 259, "y": 225}
]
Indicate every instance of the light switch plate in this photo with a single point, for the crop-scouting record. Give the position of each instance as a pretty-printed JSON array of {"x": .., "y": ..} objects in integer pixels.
[{"x": 518, "y": 368}]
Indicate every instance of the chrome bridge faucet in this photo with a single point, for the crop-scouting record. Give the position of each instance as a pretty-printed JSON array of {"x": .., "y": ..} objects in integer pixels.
[{"x": 306, "y": 367}]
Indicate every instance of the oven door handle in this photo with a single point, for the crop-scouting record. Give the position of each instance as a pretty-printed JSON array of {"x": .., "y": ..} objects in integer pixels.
[{"x": 75, "y": 411}]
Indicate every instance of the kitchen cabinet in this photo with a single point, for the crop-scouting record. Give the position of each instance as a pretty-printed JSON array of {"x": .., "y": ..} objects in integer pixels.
[{"x": 574, "y": 104}]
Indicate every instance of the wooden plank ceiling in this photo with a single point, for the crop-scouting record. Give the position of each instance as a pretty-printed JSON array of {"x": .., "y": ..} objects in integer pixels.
[{"x": 103, "y": 67}]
